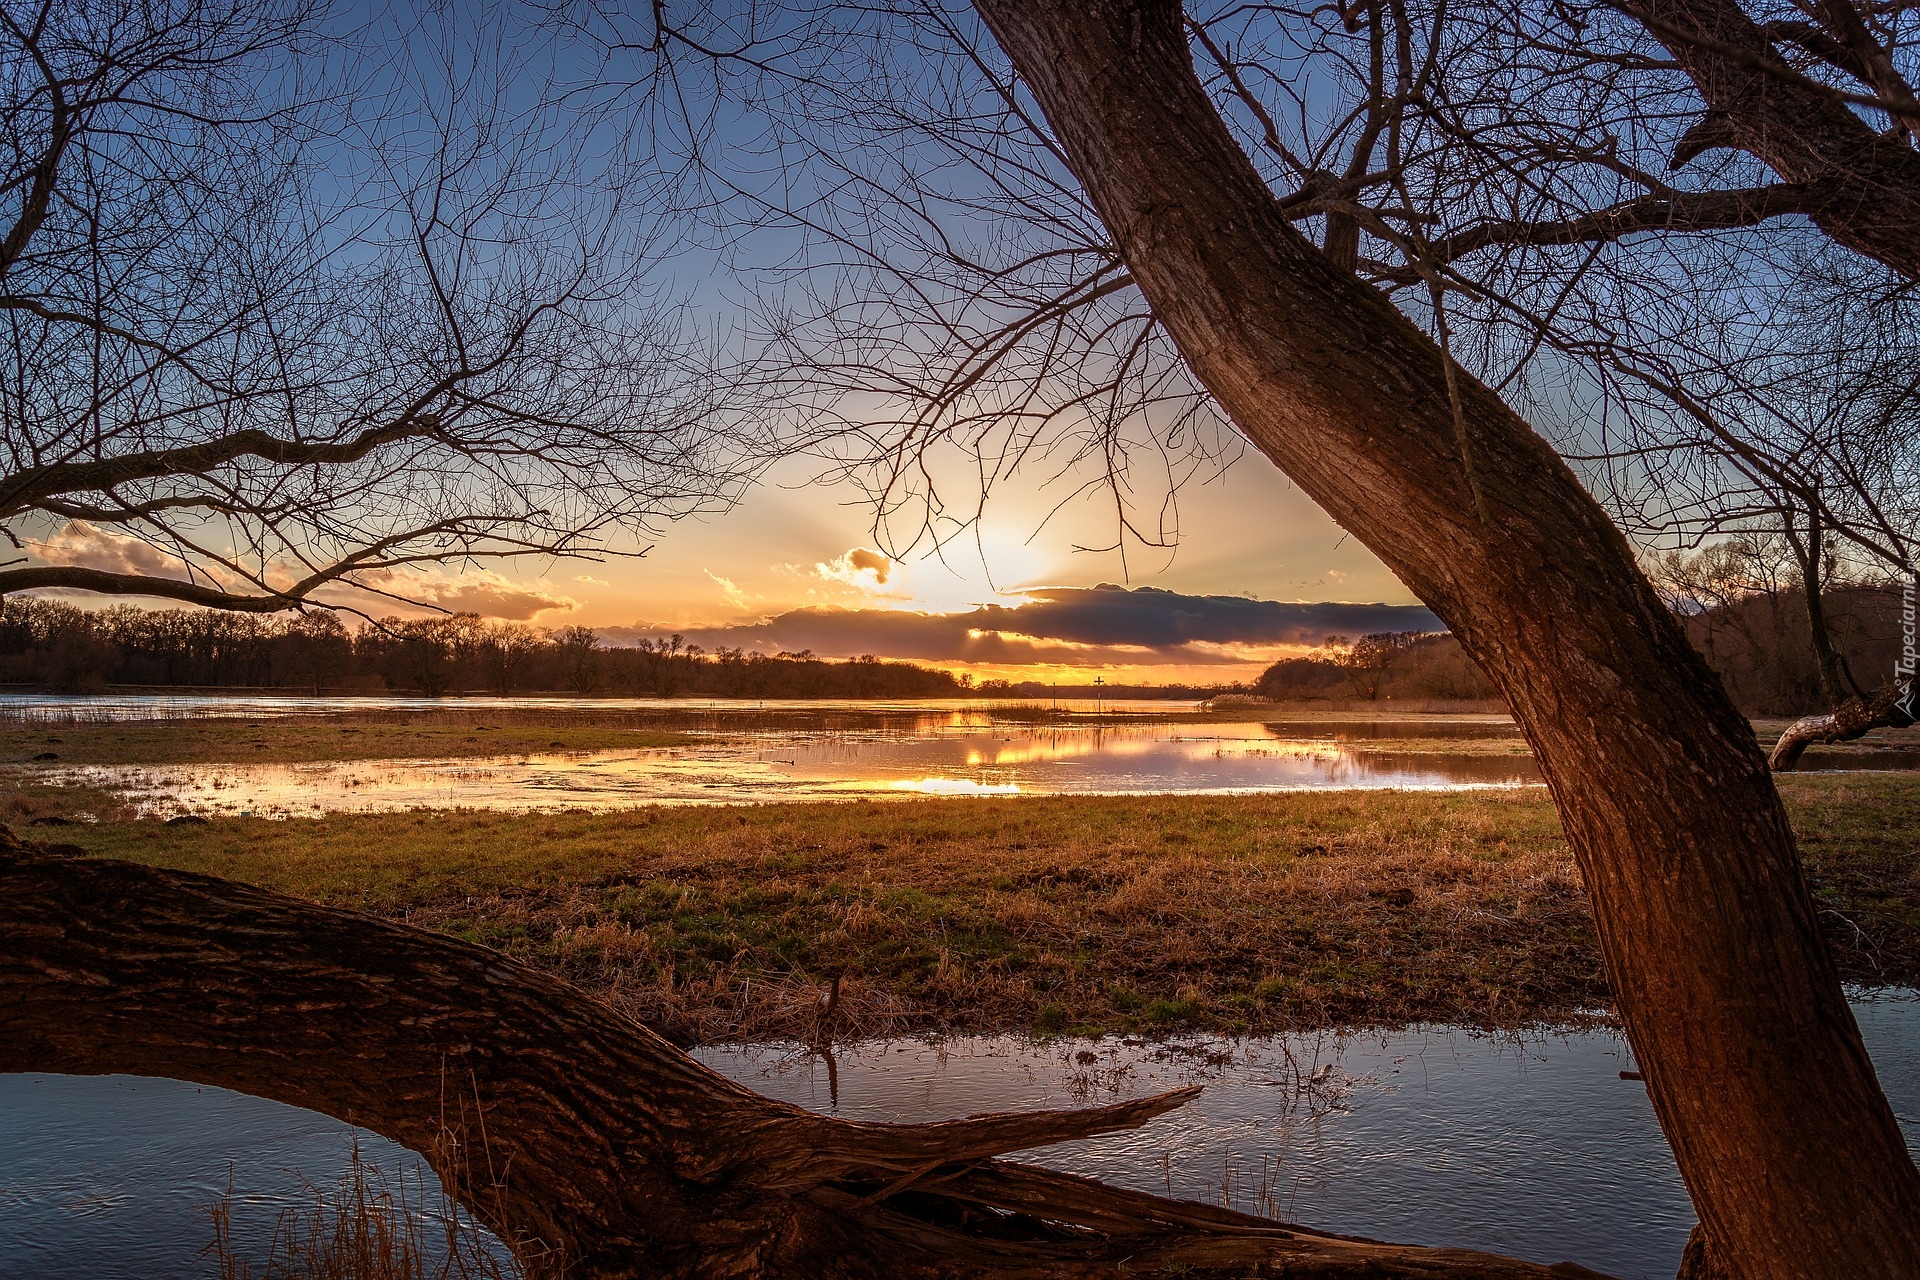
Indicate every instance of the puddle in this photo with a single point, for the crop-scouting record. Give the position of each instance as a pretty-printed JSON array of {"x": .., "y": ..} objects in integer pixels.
[
  {"x": 111, "y": 1177},
  {"x": 949, "y": 756},
  {"x": 1531, "y": 1146}
]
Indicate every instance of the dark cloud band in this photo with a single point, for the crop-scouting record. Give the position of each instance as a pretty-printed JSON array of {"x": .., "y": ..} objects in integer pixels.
[{"x": 1143, "y": 626}]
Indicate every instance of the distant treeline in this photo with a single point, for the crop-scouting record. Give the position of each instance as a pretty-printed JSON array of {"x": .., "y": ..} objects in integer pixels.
[
  {"x": 1757, "y": 638},
  {"x": 1762, "y": 647},
  {"x": 85, "y": 650},
  {"x": 1402, "y": 665}
]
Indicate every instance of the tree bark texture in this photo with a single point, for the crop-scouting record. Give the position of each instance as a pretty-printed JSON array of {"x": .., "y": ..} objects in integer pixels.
[
  {"x": 1728, "y": 994},
  {"x": 592, "y": 1146}
]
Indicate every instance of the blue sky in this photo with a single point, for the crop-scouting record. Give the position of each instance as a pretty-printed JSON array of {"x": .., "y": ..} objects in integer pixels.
[
  {"x": 799, "y": 553},
  {"x": 792, "y": 542}
]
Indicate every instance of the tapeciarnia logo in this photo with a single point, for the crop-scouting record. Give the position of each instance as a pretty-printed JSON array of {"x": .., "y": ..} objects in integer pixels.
[{"x": 1903, "y": 668}]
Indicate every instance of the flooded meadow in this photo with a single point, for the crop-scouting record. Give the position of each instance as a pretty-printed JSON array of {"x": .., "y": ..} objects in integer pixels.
[
  {"x": 954, "y": 756},
  {"x": 785, "y": 752},
  {"x": 1181, "y": 896}
]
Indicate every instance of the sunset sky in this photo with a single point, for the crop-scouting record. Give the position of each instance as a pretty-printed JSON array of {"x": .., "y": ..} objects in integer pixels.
[
  {"x": 1258, "y": 572},
  {"x": 745, "y": 576},
  {"x": 797, "y": 562}
]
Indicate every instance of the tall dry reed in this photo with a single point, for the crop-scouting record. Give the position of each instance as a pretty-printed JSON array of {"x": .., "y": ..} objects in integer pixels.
[{"x": 371, "y": 1225}]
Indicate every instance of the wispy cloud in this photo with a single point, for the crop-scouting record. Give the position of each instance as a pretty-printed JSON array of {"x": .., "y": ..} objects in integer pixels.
[
  {"x": 90, "y": 547},
  {"x": 419, "y": 591},
  {"x": 471, "y": 590},
  {"x": 728, "y": 588}
]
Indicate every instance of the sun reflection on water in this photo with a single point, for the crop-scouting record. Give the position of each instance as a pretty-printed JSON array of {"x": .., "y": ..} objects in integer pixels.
[
  {"x": 956, "y": 787},
  {"x": 941, "y": 754}
]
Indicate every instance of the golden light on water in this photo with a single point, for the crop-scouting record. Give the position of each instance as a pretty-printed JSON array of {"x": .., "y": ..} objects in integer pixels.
[
  {"x": 956, "y": 787},
  {"x": 941, "y": 752}
]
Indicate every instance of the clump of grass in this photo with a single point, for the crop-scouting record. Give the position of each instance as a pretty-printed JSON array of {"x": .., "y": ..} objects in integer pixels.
[
  {"x": 33, "y": 809},
  {"x": 368, "y": 1226}
]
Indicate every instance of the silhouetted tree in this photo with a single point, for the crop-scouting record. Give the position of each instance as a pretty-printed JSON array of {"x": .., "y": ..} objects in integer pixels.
[
  {"x": 264, "y": 353},
  {"x": 1028, "y": 247},
  {"x": 578, "y": 652}
]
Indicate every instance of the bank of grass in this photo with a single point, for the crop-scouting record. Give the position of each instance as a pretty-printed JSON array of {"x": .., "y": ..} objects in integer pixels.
[
  {"x": 1250, "y": 913},
  {"x": 314, "y": 739}
]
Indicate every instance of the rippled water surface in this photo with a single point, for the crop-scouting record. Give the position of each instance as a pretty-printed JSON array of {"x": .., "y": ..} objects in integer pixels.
[
  {"x": 1531, "y": 1146},
  {"x": 734, "y": 757}
]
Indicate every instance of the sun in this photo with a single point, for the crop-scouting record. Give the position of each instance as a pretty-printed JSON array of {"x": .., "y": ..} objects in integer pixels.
[{"x": 996, "y": 568}]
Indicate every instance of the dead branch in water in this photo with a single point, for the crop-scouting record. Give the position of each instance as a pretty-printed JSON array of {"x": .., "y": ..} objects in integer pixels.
[{"x": 1852, "y": 719}]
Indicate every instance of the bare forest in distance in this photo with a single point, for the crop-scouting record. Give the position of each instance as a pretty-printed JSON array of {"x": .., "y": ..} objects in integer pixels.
[
  {"x": 1752, "y": 629},
  {"x": 89, "y": 651},
  {"x": 1758, "y": 642}
]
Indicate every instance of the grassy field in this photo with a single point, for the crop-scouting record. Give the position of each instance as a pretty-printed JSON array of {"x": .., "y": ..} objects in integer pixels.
[
  {"x": 1046, "y": 914},
  {"x": 305, "y": 740}
]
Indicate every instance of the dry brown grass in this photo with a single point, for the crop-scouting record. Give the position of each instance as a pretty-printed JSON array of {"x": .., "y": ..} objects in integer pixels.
[
  {"x": 1249, "y": 913},
  {"x": 371, "y": 1225},
  {"x": 1050, "y": 913}
]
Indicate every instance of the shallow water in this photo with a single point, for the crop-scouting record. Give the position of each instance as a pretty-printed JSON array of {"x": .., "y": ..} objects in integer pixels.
[
  {"x": 1531, "y": 1146},
  {"x": 1356, "y": 728},
  {"x": 740, "y": 752},
  {"x": 957, "y": 754},
  {"x": 113, "y": 1176}
]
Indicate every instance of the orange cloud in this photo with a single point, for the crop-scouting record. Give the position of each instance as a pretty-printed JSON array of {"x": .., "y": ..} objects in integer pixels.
[
  {"x": 419, "y": 591},
  {"x": 86, "y": 546},
  {"x": 857, "y": 568},
  {"x": 1080, "y": 627},
  {"x": 481, "y": 591}
]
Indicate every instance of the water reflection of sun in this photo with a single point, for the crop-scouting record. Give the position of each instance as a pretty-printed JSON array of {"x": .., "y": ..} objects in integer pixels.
[
  {"x": 956, "y": 787},
  {"x": 1121, "y": 744}
]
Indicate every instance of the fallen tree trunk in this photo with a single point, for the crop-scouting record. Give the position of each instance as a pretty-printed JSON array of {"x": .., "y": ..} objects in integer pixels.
[
  {"x": 1728, "y": 993},
  {"x": 1854, "y": 718},
  {"x": 589, "y": 1144}
]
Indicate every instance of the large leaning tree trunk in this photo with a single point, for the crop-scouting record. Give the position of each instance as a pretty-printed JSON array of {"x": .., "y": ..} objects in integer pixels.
[
  {"x": 1728, "y": 994},
  {"x": 591, "y": 1145}
]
